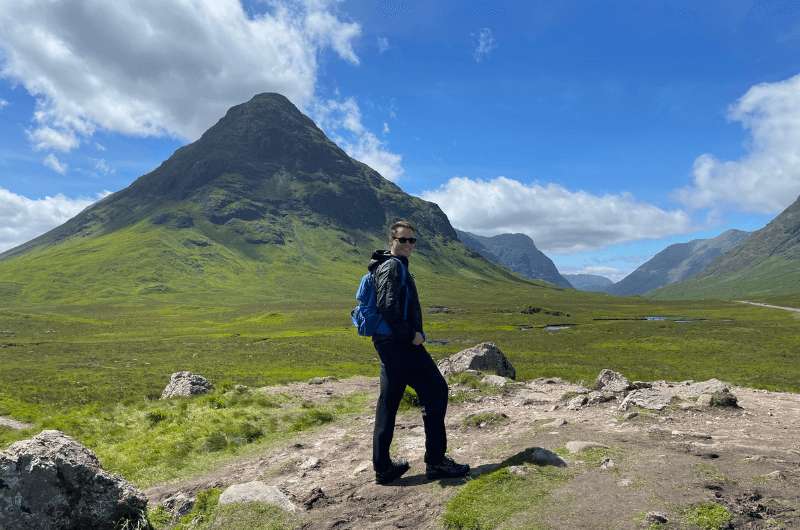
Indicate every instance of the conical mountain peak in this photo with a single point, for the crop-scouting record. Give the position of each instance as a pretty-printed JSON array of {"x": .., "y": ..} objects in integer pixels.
[{"x": 263, "y": 163}]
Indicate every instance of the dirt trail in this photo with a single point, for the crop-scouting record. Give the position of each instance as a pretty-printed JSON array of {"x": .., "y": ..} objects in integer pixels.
[
  {"x": 794, "y": 309},
  {"x": 747, "y": 459}
]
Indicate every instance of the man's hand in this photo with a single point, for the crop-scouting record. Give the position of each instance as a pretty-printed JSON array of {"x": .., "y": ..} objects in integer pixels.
[{"x": 418, "y": 339}]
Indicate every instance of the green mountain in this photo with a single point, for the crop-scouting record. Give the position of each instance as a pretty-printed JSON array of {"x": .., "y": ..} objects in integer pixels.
[
  {"x": 766, "y": 264},
  {"x": 263, "y": 204},
  {"x": 589, "y": 282},
  {"x": 516, "y": 252},
  {"x": 677, "y": 263}
]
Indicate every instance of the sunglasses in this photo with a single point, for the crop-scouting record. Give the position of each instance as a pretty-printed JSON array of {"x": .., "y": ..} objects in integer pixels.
[{"x": 405, "y": 240}]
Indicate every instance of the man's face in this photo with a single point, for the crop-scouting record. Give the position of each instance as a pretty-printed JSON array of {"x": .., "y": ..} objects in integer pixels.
[{"x": 399, "y": 248}]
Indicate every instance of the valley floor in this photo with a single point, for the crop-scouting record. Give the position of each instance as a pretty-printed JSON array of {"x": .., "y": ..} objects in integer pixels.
[{"x": 700, "y": 467}]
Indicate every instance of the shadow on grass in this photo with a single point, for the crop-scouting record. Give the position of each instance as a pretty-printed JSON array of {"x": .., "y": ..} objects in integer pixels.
[{"x": 532, "y": 455}]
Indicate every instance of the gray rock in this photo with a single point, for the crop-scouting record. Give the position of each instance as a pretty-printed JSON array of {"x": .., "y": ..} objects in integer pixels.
[
  {"x": 704, "y": 400},
  {"x": 577, "y": 402},
  {"x": 630, "y": 415},
  {"x": 52, "y": 481},
  {"x": 724, "y": 398},
  {"x": 704, "y": 387},
  {"x": 11, "y": 423},
  {"x": 655, "y": 518},
  {"x": 178, "y": 504},
  {"x": 556, "y": 423},
  {"x": 311, "y": 462},
  {"x": 517, "y": 470},
  {"x": 495, "y": 380},
  {"x": 256, "y": 491},
  {"x": 775, "y": 475},
  {"x": 186, "y": 384},
  {"x": 647, "y": 398},
  {"x": 485, "y": 356},
  {"x": 594, "y": 397},
  {"x": 611, "y": 381},
  {"x": 641, "y": 384},
  {"x": 321, "y": 380},
  {"x": 607, "y": 463},
  {"x": 576, "y": 446}
]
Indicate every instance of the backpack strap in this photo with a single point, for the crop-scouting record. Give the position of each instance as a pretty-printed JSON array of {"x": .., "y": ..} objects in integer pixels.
[{"x": 404, "y": 283}]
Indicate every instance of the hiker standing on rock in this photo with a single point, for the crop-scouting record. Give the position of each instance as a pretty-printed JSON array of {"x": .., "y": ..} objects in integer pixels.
[{"x": 405, "y": 361}]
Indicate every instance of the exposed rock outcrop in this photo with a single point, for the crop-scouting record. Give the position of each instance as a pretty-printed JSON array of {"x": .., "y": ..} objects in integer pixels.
[
  {"x": 183, "y": 384},
  {"x": 52, "y": 482},
  {"x": 611, "y": 381},
  {"x": 485, "y": 357}
]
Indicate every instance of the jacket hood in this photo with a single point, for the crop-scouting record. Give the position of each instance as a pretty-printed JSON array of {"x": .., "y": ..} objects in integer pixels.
[{"x": 379, "y": 256}]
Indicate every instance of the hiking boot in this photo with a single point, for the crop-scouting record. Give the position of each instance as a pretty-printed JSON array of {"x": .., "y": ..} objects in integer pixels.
[
  {"x": 447, "y": 468},
  {"x": 396, "y": 470}
]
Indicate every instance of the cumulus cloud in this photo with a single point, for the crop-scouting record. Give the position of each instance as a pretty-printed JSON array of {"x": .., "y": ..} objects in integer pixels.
[
  {"x": 341, "y": 120},
  {"x": 485, "y": 44},
  {"x": 55, "y": 164},
  {"x": 101, "y": 166},
  {"x": 22, "y": 219},
  {"x": 767, "y": 178},
  {"x": 558, "y": 220},
  {"x": 147, "y": 67}
]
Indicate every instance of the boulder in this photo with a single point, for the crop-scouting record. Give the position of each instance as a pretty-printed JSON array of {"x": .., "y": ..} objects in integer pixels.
[
  {"x": 178, "y": 504},
  {"x": 52, "y": 481},
  {"x": 577, "y": 402},
  {"x": 485, "y": 357},
  {"x": 647, "y": 398},
  {"x": 186, "y": 384},
  {"x": 256, "y": 491},
  {"x": 611, "y": 381},
  {"x": 724, "y": 398},
  {"x": 655, "y": 518},
  {"x": 594, "y": 397}
]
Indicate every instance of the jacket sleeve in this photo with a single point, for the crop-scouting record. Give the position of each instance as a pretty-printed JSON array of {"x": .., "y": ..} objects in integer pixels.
[{"x": 390, "y": 298}]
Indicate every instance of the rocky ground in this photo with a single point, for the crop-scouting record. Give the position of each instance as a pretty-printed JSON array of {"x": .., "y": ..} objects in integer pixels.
[{"x": 745, "y": 458}]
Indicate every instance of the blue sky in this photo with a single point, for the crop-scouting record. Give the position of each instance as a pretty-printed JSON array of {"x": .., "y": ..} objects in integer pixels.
[{"x": 605, "y": 130}]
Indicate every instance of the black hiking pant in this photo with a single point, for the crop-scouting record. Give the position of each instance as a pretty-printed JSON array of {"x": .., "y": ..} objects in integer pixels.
[{"x": 401, "y": 365}]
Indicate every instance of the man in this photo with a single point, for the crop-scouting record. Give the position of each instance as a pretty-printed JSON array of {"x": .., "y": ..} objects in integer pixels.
[{"x": 404, "y": 361}]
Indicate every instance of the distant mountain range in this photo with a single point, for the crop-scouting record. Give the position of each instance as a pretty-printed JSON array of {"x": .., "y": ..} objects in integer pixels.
[
  {"x": 589, "y": 282},
  {"x": 676, "y": 263},
  {"x": 516, "y": 252},
  {"x": 765, "y": 264}
]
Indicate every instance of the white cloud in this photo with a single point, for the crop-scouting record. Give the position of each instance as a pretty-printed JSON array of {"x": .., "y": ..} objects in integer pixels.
[
  {"x": 485, "y": 44},
  {"x": 55, "y": 164},
  {"x": 48, "y": 138},
  {"x": 383, "y": 44},
  {"x": 612, "y": 273},
  {"x": 767, "y": 178},
  {"x": 147, "y": 67},
  {"x": 101, "y": 166},
  {"x": 3, "y": 103},
  {"x": 22, "y": 219},
  {"x": 341, "y": 120},
  {"x": 386, "y": 129},
  {"x": 558, "y": 220}
]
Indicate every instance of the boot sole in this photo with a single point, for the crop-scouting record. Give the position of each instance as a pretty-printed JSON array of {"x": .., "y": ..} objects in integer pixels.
[{"x": 389, "y": 480}]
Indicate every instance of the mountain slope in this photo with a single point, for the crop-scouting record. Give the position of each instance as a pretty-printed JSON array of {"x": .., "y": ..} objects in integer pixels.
[
  {"x": 589, "y": 282},
  {"x": 766, "y": 264},
  {"x": 676, "y": 263},
  {"x": 518, "y": 253},
  {"x": 263, "y": 203}
]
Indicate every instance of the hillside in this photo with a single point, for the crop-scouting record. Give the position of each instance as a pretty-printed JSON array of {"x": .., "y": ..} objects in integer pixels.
[
  {"x": 516, "y": 252},
  {"x": 677, "y": 263},
  {"x": 589, "y": 282},
  {"x": 767, "y": 264},
  {"x": 263, "y": 204}
]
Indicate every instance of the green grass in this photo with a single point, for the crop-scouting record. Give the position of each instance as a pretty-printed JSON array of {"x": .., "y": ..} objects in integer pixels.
[
  {"x": 708, "y": 516},
  {"x": 484, "y": 419},
  {"x": 493, "y": 498}
]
